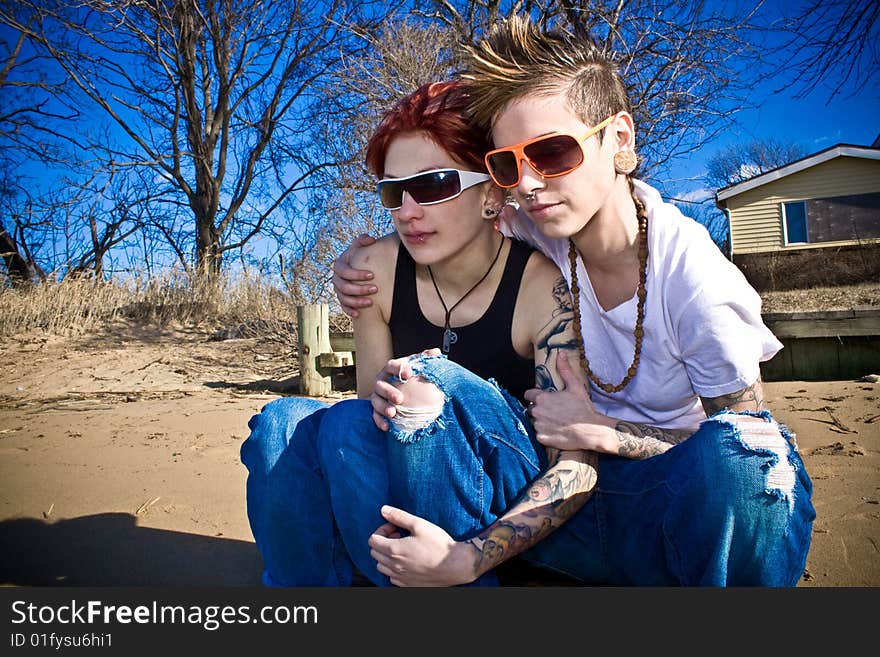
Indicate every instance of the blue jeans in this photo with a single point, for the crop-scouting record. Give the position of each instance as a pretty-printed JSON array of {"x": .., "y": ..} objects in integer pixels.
[
  {"x": 730, "y": 506},
  {"x": 318, "y": 475}
]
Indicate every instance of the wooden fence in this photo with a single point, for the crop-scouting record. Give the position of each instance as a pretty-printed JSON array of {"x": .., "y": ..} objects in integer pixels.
[
  {"x": 319, "y": 352},
  {"x": 824, "y": 346}
]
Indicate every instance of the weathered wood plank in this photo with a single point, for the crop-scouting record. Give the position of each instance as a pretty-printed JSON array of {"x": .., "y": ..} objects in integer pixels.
[
  {"x": 314, "y": 339},
  {"x": 824, "y": 324},
  {"x": 335, "y": 359},
  {"x": 825, "y": 328},
  {"x": 342, "y": 341}
]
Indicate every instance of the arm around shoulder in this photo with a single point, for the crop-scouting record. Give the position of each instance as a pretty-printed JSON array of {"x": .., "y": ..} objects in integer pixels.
[{"x": 372, "y": 334}]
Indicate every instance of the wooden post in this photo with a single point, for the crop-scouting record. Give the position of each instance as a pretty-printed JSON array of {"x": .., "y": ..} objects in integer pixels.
[{"x": 312, "y": 323}]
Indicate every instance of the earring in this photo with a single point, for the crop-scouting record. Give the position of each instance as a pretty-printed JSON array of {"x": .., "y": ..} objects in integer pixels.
[{"x": 625, "y": 162}]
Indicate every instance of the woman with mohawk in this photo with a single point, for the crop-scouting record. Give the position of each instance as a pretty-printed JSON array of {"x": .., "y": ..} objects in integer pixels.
[{"x": 697, "y": 484}]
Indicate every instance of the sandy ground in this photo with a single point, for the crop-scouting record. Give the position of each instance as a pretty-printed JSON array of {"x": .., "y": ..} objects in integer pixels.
[{"x": 119, "y": 460}]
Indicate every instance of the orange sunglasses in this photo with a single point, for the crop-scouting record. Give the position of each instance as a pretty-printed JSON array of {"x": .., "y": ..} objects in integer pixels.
[{"x": 550, "y": 155}]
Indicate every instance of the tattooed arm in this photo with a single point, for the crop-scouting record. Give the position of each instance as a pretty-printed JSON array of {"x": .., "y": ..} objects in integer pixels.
[
  {"x": 547, "y": 504},
  {"x": 750, "y": 398},
  {"x": 427, "y": 556},
  {"x": 641, "y": 441},
  {"x": 569, "y": 481}
]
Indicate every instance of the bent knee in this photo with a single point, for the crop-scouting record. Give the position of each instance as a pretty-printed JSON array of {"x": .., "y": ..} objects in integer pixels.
[
  {"x": 422, "y": 404},
  {"x": 754, "y": 457}
]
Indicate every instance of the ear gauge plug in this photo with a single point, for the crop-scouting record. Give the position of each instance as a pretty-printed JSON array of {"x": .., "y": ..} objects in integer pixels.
[{"x": 625, "y": 162}]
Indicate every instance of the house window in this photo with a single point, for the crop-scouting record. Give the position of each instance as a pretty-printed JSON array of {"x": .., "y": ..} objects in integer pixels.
[{"x": 794, "y": 220}]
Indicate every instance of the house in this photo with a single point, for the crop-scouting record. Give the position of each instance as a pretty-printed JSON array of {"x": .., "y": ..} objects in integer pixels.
[{"x": 812, "y": 222}]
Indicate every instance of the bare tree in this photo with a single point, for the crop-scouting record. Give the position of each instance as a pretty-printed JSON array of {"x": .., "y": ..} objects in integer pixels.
[
  {"x": 738, "y": 162},
  {"x": 832, "y": 42},
  {"x": 682, "y": 60},
  {"x": 198, "y": 90},
  {"x": 21, "y": 231},
  {"x": 108, "y": 209},
  {"x": 29, "y": 111},
  {"x": 407, "y": 52},
  {"x": 31, "y": 87}
]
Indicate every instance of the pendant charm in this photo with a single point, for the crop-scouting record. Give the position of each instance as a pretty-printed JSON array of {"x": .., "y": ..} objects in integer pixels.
[{"x": 450, "y": 337}]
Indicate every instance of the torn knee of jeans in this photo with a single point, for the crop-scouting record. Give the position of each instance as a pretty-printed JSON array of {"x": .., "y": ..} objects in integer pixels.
[
  {"x": 419, "y": 413},
  {"x": 762, "y": 435}
]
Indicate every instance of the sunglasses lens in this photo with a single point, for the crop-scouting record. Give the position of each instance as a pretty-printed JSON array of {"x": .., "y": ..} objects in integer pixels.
[
  {"x": 432, "y": 187},
  {"x": 555, "y": 155},
  {"x": 502, "y": 166},
  {"x": 391, "y": 194}
]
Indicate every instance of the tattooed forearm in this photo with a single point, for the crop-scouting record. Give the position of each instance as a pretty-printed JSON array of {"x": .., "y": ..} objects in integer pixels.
[
  {"x": 548, "y": 503},
  {"x": 641, "y": 441},
  {"x": 750, "y": 398}
]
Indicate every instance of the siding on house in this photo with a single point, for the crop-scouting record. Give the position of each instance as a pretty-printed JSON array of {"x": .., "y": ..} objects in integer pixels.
[{"x": 756, "y": 214}]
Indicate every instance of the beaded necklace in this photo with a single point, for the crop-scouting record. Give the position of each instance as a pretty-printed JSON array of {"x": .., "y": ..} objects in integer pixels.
[{"x": 642, "y": 294}]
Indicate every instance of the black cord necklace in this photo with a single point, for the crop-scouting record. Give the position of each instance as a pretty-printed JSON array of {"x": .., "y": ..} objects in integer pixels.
[{"x": 450, "y": 337}]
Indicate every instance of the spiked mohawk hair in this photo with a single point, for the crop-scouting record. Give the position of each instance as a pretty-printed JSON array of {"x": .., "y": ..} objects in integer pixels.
[{"x": 516, "y": 58}]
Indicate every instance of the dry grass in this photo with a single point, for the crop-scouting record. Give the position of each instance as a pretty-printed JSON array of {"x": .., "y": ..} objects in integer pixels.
[
  {"x": 844, "y": 297},
  {"x": 244, "y": 306},
  {"x": 73, "y": 306},
  {"x": 249, "y": 306}
]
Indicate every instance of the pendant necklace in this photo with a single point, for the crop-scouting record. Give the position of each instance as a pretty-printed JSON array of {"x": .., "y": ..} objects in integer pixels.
[{"x": 450, "y": 337}]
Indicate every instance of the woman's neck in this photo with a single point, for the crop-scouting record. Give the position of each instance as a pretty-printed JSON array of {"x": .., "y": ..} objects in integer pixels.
[
  {"x": 610, "y": 239},
  {"x": 458, "y": 273}
]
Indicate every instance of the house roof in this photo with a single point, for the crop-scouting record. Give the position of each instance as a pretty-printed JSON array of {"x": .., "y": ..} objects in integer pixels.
[{"x": 840, "y": 150}]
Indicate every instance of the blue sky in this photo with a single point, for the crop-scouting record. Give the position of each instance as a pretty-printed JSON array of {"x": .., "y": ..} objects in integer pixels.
[{"x": 851, "y": 117}]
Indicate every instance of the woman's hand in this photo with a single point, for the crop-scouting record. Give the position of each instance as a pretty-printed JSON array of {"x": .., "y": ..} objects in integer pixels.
[
  {"x": 350, "y": 292},
  {"x": 386, "y": 396},
  {"x": 566, "y": 419},
  {"x": 427, "y": 556}
]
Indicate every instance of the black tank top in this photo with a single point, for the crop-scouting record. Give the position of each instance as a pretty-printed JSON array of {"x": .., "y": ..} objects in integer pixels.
[{"x": 484, "y": 347}]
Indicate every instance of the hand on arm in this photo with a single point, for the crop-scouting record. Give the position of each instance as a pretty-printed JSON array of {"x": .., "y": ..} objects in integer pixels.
[
  {"x": 348, "y": 282},
  {"x": 630, "y": 439},
  {"x": 428, "y": 556},
  {"x": 372, "y": 334},
  {"x": 569, "y": 420}
]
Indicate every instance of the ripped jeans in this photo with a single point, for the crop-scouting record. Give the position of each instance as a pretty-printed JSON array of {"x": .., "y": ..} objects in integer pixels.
[
  {"x": 318, "y": 474},
  {"x": 730, "y": 506}
]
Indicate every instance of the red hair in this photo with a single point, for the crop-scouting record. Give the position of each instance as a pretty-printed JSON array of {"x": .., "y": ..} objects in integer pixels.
[{"x": 438, "y": 110}]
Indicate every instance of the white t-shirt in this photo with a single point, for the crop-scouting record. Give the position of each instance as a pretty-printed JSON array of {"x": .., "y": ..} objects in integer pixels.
[{"x": 704, "y": 335}]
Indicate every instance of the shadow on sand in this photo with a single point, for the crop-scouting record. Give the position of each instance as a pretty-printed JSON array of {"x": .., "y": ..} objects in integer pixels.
[
  {"x": 110, "y": 549},
  {"x": 343, "y": 379}
]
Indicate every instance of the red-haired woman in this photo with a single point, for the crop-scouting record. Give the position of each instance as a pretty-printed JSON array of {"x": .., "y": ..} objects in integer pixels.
[{"x": 459, "y": 450}]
